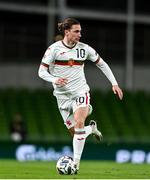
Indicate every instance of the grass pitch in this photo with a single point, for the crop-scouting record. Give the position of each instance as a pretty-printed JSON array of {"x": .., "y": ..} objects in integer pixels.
[{"x": 11, "y": 169}]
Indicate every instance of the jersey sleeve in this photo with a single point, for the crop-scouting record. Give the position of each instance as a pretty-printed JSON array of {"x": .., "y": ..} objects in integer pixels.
[
  {"x": 48, "y": 57},
  {"x": 92, "y": 54}
]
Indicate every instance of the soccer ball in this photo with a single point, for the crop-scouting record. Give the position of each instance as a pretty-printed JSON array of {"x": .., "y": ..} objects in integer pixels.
[{"x": 65, "y": 165}]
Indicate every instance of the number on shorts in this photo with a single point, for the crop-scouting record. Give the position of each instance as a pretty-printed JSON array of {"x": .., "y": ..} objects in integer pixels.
[{"x": 80, "y": 100}]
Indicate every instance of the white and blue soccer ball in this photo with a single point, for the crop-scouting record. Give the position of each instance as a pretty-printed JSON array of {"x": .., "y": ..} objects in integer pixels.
[{"x": 65, "y": 166}]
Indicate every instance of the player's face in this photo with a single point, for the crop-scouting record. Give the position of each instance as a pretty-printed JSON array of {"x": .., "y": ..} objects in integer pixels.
[{"x": 74, "y": 34}]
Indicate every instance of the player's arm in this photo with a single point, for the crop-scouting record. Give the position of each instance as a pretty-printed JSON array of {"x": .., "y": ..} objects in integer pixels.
[
  {"x": 103, "y": 66},
  {"x": 47, "y": 61},
  {"x": 44, "y": 74}
]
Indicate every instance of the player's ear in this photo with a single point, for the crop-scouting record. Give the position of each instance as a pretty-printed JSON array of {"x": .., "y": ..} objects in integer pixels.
[{"x": 66, "y": 31}]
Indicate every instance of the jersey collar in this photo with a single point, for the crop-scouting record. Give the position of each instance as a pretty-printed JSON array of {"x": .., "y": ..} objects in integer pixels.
[{"x": 68, "y": 46}]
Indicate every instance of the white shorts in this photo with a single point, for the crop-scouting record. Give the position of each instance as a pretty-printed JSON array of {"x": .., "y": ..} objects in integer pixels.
[{"x": 68, "y": 106}]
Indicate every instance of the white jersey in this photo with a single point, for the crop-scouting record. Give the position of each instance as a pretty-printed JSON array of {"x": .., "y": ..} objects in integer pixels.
[{"x": 66, "y": 62}]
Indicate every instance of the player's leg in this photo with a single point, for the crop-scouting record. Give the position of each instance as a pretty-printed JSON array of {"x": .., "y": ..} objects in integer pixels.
[
  {"x": 81, "y": 109},
  {"x": 80, "y": 133},
  {"x": 67, "y": 115},
  {"x": 67, "y": 106},
  {"x": 78, "y": 109},
  {"x": 88, "y": 129}
]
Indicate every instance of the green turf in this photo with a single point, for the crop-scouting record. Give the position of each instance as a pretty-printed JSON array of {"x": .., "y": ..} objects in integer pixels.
[{"x": 10, "y": 169}]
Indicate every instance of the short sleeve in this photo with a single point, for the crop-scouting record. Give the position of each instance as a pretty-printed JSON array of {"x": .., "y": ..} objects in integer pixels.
[{"x": 92, "y": 54}]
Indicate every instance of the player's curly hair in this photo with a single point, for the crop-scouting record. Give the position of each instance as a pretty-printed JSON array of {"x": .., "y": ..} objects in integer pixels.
[{"x": 67, "y": 24}]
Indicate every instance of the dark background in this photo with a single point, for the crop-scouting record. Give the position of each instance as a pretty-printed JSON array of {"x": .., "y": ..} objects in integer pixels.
[{"x": 23, "y": 36}]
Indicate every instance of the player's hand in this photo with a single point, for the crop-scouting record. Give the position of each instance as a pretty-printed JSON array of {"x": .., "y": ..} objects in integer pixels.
[
  {"x": 61, "y": 81},
  {"x": 116, "y": 89}
]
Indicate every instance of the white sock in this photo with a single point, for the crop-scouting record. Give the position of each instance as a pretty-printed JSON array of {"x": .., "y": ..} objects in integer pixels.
[
  {"x": 79, "y": 141},
  {"x": 78, "y": 144}
]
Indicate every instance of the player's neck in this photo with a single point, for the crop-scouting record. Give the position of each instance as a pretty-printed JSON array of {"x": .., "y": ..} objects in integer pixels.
[{"x": 68, "y": 43}]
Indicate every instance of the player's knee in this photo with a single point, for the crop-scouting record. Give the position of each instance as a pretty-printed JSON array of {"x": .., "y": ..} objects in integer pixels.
[
  {"x": 79, "y": 124},
  {"x": 80, "y": 118}
]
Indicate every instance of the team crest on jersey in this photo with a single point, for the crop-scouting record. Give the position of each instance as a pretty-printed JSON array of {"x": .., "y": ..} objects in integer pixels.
[{"x": 71, "y": 62}]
